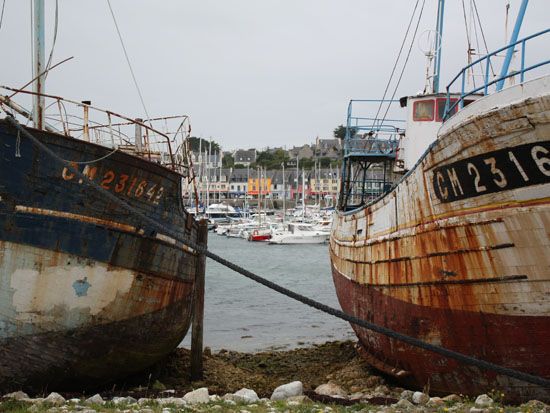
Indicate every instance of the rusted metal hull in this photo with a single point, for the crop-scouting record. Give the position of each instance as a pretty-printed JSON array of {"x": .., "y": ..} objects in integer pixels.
[
  {"x": 88, "y": 293},
  {"x": 458, "y": 254}
]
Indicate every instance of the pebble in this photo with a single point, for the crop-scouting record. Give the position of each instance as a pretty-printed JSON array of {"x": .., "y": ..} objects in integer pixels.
[
  {"x": 124, "y": 400},
  {"x": 330, "y": 389},
  {"x": 246, "y": 396},
  {"x": 285, "y": 391},
  {"x": 435, "y": 402},
  {"x": 420, "y": 398},
  {"x": 95, "y": 399},
  {"x": 403, "y": 403},
  {"x": 18, "y": 395},
  {"x": 176, "y": 401},
  {"x": 407, "y": 395},
  {"x": 483, "y": 401},
  {"x": 197, "y": 396},
  {"x": 452, "y": 398},
  {"x": 55, "y": 399}
]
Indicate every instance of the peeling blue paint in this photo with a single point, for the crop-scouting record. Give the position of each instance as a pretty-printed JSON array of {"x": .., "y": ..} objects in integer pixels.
[{"x": 81, "y": 287}]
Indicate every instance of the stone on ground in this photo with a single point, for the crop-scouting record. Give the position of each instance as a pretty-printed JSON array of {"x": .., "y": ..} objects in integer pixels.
[
  {"x": 403, "y": 404},
  {"x": 330, "y": 389},
  {"x": 18, "y": 395},
  {"x": 285, "y": 391},
  {"x": 452, "y": 398},
  {"x": 176, "y": 401},
  {"x": 55, "y": 398},
  {"x": 197, "y": 396},
  {"x": 420, "y": 398},
  {"x": 124, "y": 400},
  {"x": 435, "y": 402},
  {"x": 95, "y": 399},
  {"x": 407, "y": 395},
  {"x": 483, "y": 401},
  {"x": 246, "y": 395}
]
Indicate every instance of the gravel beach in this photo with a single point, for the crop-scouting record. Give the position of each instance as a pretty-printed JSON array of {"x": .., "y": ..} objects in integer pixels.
[{"x": 329, "y": 377}]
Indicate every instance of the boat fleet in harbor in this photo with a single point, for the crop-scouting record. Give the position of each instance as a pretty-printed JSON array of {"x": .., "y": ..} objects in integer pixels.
[{"x": 306, "y": 225}]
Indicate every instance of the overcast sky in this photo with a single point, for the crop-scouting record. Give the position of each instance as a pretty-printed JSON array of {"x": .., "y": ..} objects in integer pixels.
[{"x": 250, "y": 73}]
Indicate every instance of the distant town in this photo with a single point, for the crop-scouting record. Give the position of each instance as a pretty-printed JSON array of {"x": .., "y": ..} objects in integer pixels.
[{"x": 311, "y": 170}]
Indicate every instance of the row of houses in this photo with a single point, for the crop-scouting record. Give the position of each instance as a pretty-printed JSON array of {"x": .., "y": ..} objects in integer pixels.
[
  {"x": 237, "y": 183},
  {"x": 322, "y": 148}
]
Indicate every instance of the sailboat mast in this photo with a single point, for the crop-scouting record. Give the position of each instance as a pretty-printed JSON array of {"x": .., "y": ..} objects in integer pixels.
[
  {"x": 39, "y": 63},
  {"x": 438, "y": 38}
]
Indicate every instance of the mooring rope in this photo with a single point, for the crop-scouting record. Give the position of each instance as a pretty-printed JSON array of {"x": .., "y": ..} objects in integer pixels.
[{"x": 541, "y": 381}]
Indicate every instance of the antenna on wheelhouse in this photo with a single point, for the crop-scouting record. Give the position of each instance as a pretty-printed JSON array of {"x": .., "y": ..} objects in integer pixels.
[
  {"x": 38, "y": 66},
  {"x": 438, "y": 37}
]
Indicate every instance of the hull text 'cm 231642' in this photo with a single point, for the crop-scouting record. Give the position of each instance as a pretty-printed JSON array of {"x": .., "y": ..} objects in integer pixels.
[
  {"x": 89, "y": 292},
  {"x": 453, "y": 247}
]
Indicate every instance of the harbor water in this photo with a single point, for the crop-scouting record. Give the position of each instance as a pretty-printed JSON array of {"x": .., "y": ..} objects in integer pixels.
[{"x": 245, "y": 316}]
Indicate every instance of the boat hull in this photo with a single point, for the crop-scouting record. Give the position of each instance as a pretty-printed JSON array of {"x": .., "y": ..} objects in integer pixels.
[
  {"x": 457, "y": 254},
  {"x": 88, "y": 292},
  {"x": 297, "y": 239}
]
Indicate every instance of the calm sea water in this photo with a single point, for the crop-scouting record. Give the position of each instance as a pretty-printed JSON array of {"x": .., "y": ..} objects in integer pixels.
[{"x": 245, "y": 316}]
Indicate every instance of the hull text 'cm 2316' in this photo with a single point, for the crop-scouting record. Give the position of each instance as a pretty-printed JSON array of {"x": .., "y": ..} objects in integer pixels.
[{"x": 454, "y": 246}]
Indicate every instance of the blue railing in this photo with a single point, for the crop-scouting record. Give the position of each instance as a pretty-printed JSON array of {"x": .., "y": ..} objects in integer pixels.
[
  {"x": 369, "y": 136},
  {"x": 449, "y": 108}
]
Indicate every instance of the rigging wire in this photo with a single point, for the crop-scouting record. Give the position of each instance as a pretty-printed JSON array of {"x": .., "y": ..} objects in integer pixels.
[
  {"x": 128, "y": 61},
  {"x": 54, "y": 39},
  {"x": 468, "y": 40},
  {"x": 396, "y": 62},
  {"x": 2, "y": 14},
  {"x": 483, "y": 35},
  {"x": 406, "y": 61}
]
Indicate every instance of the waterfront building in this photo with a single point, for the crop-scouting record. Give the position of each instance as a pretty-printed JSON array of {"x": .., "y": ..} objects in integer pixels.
[{"x": 245, "y": 157}]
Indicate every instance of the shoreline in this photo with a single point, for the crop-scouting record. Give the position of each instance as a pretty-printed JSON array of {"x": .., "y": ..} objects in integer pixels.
[{"x": 332, "y": 376}]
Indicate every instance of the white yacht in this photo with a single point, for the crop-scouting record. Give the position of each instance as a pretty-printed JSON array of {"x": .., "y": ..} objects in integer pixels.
[{"x": 299, "y": 233}]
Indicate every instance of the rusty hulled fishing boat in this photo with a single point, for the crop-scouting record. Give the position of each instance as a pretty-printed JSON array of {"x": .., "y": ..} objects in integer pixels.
[
  {"x": 88, "y": 291},
  {"x": 454, "y": 246}
]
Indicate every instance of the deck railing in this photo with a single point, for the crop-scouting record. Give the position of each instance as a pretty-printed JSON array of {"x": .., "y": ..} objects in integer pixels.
[
  {"x": 162, "y": 140},
  {"x": 485, "y": 64},
  {"x": 371, "y": 136}
]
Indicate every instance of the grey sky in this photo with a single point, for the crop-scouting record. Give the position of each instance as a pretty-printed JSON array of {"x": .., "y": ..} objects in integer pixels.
[{"x": 250, "y": 73}]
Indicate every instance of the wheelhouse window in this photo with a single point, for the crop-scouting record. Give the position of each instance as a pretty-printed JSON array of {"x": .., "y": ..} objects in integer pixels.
[
  {"x": 423, "y": 110},
  {"x": 441, "y": 102}
]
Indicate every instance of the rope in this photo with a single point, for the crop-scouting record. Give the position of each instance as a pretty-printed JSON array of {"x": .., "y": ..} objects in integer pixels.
[
  {"x": 200, "y": 249},
  {"x": 128, "y": 61}
]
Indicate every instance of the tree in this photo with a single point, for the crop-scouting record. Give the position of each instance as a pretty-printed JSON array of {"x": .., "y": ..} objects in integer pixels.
[
  {"x": 340, "y": 132},
  {"x": 194, "y": 144},
  {"x": 324, "y": 162},
  {"x": 228, "y": 161}
]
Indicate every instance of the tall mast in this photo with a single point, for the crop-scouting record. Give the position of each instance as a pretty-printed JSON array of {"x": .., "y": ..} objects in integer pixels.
[
  {"x": 284, "y": 192},
  {"x": 39, "y": 66},
  {"x": 438, "y": 38},
  {"x": 513, "y": 39}
]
